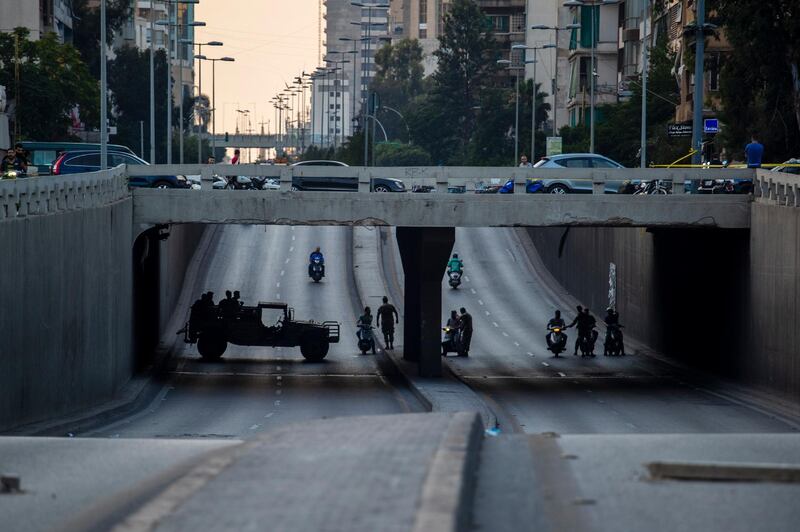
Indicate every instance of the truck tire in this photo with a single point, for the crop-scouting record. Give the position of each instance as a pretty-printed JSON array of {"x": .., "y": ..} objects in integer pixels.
[
  {"x": 211, "y": 347},
  {"x": 314, "y": 349}
]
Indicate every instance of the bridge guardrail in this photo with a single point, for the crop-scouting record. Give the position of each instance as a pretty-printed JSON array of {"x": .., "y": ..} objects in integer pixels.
[
  {"x": 780, "y": 188},
  {"x": 444, "y": 177},
  {"x": 50, "y": 194}
]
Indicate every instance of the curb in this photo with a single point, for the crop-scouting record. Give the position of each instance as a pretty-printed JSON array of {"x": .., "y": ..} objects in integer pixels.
[
  {"x": 361, "y": 258},
  {"x": 446, "y": 498}
]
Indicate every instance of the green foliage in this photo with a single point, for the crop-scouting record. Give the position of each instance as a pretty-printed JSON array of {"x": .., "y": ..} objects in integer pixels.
[
  {"x": 393, "y": 154},
  {"x": 53, "y": 80},
  {"x": 86, "y": 29},
  {"x": 760, "y": 80}
]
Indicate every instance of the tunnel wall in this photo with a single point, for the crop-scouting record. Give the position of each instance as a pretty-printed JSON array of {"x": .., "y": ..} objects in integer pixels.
[
  {"x": 66, "y": 286},
  {"x": 734, "y": 295}
]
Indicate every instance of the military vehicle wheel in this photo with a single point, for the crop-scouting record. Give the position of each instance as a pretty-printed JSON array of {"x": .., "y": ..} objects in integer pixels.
[
  {"x": 211, "y": 347},
  {"x": 314, "y": 349}
]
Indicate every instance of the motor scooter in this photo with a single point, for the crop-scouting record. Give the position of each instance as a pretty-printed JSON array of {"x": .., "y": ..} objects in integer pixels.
[
  {"x": 557, "y": 340},
  {"x": 366, "y": 340},
  {"x": 316, "y": 270},
  {"x": 454, "y": 279}
]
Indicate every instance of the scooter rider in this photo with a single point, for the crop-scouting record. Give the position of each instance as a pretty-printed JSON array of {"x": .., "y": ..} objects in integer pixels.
[
  {"x": 364, "y": 322},
  {"x": 316, "y": 255},
  {"x": 611, "y": 320},
  {"x": 455, "y": 264},
  {"x": 555, "y": 321}
]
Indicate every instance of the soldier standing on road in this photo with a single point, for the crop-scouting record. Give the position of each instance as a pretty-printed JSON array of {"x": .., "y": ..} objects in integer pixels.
[
  {"x": 465, "y": 326},
  {"x": 387, "y": 317}
]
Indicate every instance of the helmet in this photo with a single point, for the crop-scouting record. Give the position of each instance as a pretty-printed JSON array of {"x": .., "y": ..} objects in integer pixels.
[
  {"x": 610, "y": 309},
  {"x": 455, "y": 255}
]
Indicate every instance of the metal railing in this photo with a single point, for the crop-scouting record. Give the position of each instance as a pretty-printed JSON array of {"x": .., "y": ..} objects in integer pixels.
[
  {"x": 442, "y": 178},
  {"x": 52, "y": 194}
]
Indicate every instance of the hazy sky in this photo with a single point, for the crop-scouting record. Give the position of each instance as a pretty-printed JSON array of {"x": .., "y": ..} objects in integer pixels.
[{"x": 272, "y": 41}]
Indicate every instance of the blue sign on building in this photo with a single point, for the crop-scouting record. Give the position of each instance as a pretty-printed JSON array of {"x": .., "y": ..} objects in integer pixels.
[{"x": 711, "y": 125}]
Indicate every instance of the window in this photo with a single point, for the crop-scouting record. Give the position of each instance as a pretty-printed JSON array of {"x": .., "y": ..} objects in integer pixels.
[
  {"x": 43, "y": 157},
  {"x": 575, "y": 162},
  {"x": 500, "y": 23},
  {"x": 589, "y": 14},
  {"x": 713, "y": 72},
  {"x": 85, "y": 160},
  {"x": 518, "y": 22},
  {"x": 603, "y": 163}
]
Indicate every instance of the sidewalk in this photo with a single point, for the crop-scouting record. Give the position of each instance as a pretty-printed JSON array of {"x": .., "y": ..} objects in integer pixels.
[
  {"x": 444, "y": 394},
  {"x": 407, "y": 472}
]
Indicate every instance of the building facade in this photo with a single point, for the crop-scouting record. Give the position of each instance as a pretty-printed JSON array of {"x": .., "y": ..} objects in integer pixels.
[{"x": 38, "y": 16}]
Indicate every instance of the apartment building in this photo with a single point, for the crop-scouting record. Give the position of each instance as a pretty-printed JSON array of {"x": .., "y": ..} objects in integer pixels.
[{"x": 39, "y": 16}]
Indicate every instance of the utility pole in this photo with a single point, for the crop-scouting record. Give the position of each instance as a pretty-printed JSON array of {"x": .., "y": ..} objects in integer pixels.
[
  {"x": 697, "y": 99},
  {"x": 643, "y": 140},
  {"x": 103, "y": 90},
  {"x": 152, "y": 90}
]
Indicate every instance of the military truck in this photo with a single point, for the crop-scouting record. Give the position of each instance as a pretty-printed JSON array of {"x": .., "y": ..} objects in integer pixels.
[{"x": 212, "y": 330}]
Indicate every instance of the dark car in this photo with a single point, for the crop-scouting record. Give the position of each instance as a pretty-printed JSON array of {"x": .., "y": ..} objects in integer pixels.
[
  {"x": 342, "y": 184},
  {"x": 577, "y": 160},
  {"x": 76, "y": 162},
  {"x": 42, "y": 154}
]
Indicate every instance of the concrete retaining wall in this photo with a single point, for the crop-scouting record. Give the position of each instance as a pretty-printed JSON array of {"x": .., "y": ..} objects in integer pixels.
[
  {"x": 67, "y": 318},
  {"x": 733, "y": 295}
]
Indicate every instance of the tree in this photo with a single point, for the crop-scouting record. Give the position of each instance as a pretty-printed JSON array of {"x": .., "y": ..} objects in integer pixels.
[
  {"x": 398, "y": 80},
  {"x": 395, "y": 154},
  {"x": 129, "y": 85},
  {"x": 466, "y": 66},
  {"x": 86, "y": 29},
  {"x": 53, "y": 80},
  {"x": 760, "y": 80}
]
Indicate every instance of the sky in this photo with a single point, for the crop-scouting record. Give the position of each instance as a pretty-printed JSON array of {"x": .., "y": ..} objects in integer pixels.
[{"x": 273, "y": 41}]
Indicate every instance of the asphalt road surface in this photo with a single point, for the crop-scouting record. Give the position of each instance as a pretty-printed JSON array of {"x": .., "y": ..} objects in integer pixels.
[
  {"x": 534, "y": 392},
  {"x": 253, "y": 389}
]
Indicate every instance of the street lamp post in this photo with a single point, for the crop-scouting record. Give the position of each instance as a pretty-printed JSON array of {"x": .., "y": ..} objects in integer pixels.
[
  {"x": 214, "y": 96},
  {"x": 354, "y": 53},
  {"x": 533, "y": 92},
  {"x": 200, "y": 92},
  {"x": 592, "y": 68},
  {"x": 555, "y": 67},
  {"x": 103, "y": 90},
  {"x": 516, "y": 103}
]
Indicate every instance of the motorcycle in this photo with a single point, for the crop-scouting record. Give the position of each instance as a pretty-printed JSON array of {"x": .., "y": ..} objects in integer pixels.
[
  {"x": 646, "y": 188},
  {"x": 613, "y": 345},
  {"x": 316, "y": 270},
  {"x": 586, "y": 344},
  {"x": 450, "y": 341},
  {"x": 454, "y": 279},
  {"x": 366, "y": 340},
  {"x": 715, "y": 186},
  {"x": 558, "y": 340}
]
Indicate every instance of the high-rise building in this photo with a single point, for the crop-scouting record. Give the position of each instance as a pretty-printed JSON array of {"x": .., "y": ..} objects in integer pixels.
[{"x": 39, "y": 16}]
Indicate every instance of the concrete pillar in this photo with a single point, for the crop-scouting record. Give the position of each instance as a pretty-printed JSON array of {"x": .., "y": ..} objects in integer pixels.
[{"x": 424, "y": 252}]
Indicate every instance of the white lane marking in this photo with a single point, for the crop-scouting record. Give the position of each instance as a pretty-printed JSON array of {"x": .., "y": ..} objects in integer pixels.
[
  {"x": 466, "y": 278},
  {"x": 516, "y": 344},
  {"x": 488, "y": 313},
  {"x": 254, "y": 427},
  {"x": 282, "y": 272},
  {"x": 545, "y": 364},
  {"x": 562, "y": 374},
  {"x": 291, "y": 248},
  {"x": 278, "y": 296},
  {"x": 292, "y": 237},
  {"x": 277, "y": 403},
  {"x": 278, "y": 284},
  {"x": 473, "y": 290},
  {"x": 505, "y": 334},
  {"x": 279, "y": 378},
  {"x": 278, "y": 368},
  {"x": 286, "y": 261},
  {"x": 269, "y": 415},
  {"x": 530, "y": 354},
  {"x": 495, "y": 324},
  {"x": 292, "y": 228},
  {"x": 278, "y": 392},
  {"x": 480, "y": 301}
]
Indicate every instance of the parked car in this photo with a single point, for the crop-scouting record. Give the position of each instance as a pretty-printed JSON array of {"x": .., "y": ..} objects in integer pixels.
[
  {"x": 76, "y": 162},
  {"x": 578, "y": 160},
  {"x": 43, "y": 154},
  {"x": 349, "y": 184},
  {"x": 788, "y": 169}
]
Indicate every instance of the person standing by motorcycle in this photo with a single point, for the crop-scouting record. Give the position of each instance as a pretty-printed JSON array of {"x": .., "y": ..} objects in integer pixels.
[
  {"x": 465, "y": 332},
  {"x": 316, "y": 255},
  {"x": 386, "y": 320},
  {"x": 584, "y": 323},
  {"x": 555, "y": 322}
]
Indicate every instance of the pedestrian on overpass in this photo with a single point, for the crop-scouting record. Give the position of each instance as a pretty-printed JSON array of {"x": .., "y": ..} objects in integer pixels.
[
  {"x": 387, "y": 318},
  {"x": 524, "y": 162},
  {"x": 465, "y": 326},
  {"x": 754, "y": 152}
]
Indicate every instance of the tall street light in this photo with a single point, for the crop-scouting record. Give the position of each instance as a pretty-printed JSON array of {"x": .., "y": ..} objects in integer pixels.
[
  {"x": 213, "y": 97},
  {"x": 592, "y": 69},
  {"x": 516, "y": 100},
  {"x": 533, "y": 92},
  {"x": 200, "y": 90},
  {"x": 555, "y": 67},
  {"x": 103, "y": 90},
  {"x": 354, "y": 53}
]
